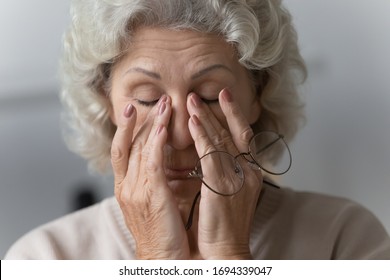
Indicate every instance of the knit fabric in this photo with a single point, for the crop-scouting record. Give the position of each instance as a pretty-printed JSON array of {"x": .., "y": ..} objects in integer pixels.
[{"x": 287, "y": 225}]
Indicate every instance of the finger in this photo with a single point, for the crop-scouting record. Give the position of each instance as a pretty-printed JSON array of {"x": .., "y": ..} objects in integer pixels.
[
  {"x": 120, "y": 147},
  {"x": 143, "y": 132},
  {"x": 197, "y": 107},
  {"x": 155, "y": 163},
  {"x": 239, "y": 127},
  {"x": 154, "y": 147},
  {"x": 219, "y": 169},
  {"x": 162, "y": 117},
  {"x": 140, "y": 149},
  {"x": 203, "y": 146},
  {"x": 218, "y": 135}
]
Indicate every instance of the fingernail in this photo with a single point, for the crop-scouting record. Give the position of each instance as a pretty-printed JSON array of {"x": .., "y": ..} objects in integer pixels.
[
  {"x": 162, "y": 108},
  {"x": 195, "y": 120},
  {"x": 227, "y": 95},
  {"x": 196, "y": 101},
  {"x": 159, "y": 129},
  {"x": 129, "y": 110},
  {"x": 163, "y": 99}
]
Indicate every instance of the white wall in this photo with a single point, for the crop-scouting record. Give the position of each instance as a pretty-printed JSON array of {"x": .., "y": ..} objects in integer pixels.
[
  {"x": 343, "y": 150},
  {"x": 38, "y": 175}
]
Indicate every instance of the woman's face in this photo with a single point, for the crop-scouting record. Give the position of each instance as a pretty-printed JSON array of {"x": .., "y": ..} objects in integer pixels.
[{"x": 176, "y": 63}]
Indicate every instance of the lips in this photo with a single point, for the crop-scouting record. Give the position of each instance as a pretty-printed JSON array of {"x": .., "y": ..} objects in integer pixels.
[
  {"x": 178, "y": 173},
  {"x": 179, "y": 163}
]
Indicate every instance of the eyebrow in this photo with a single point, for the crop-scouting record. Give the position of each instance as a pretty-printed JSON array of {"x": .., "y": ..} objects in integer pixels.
[
  {"x": 197, "y": 75},
  {"x": 151, "y": 74}
]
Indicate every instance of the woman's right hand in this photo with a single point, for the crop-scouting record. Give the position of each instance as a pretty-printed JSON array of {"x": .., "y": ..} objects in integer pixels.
[{"x": 149, "y": 208}]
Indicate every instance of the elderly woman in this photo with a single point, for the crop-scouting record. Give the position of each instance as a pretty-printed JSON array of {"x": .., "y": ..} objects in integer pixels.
[{"x": 191, "y": 104}]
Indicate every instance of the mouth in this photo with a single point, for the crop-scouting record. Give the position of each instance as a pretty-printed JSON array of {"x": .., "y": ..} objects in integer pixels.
[{"x": 178, "y": 173}]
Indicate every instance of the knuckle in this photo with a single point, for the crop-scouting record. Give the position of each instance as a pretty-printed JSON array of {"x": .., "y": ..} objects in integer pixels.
[
  {"x": 222, "y": 139},
  {"x": 210, "y": 148},
  {"x": 126, "y": 195},
  {"x": 117, "y": 157},
  {"x": 225, "y": 136},
  {"x": 122, "y": 195},
  {"x": 202, "y": 138},
  {"x": 116, "y": 153},
  {"x": 152, "y": 167},
  {"x": 136, "y": 147},
  {"x": 206, "y": 143},
  {"x": 246, "y": 135}
]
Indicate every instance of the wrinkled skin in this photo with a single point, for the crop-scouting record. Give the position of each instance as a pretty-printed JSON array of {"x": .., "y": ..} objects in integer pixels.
[{"x": 177, "y": 95}]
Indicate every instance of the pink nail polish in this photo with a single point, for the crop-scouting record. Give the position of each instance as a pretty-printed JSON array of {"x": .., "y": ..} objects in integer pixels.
[
  {"x": 228, "y": 96},
  {"x": 196, "y": 101},
  {"x": 163, "y": 99},
  {"x": 159, "y": 129},
  {"x": 129, "y": 110},
  {"x": 162, "y": 108},
  {"x": 195, "y": 120}
]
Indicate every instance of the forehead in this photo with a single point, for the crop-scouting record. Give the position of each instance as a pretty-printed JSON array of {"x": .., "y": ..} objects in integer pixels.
[{"x": 178, "y": 46}]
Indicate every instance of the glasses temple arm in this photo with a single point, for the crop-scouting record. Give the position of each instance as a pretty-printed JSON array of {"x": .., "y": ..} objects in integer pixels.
[
  {"x": 271, "y": 184},
  {"x": 190, "y": 217},
  {"x": 269, "y": 145}
]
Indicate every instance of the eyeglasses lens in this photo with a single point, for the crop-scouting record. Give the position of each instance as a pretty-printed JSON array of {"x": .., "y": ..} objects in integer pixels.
[
  {"x": 225, "y": 175},
  {"x": 269, "y": 151}
]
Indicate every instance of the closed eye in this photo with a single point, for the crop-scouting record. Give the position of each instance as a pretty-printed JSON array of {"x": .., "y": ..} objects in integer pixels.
[
  {"x": 147, "y": 103},
  {"x": 210, "y": 101},
  {"x": 154, "y": 102}
]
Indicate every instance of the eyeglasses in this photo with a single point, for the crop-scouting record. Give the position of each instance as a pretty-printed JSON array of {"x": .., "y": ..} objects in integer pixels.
[{"x": 263, "y": 154}]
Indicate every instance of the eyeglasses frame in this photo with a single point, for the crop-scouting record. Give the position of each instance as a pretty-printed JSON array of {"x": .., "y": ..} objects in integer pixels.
[{"x": 252, "y": 162}]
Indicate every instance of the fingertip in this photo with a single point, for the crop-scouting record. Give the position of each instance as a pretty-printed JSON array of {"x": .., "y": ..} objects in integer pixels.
[
  {"x": 129, "y": 111},
  {"x": 226, "y": 95},
  {"x": 127, "y": 119},
  {"x": 159, "y": 129}
]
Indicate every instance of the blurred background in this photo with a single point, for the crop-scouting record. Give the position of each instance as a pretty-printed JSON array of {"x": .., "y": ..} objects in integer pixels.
[{"x": 343, "y": 150}]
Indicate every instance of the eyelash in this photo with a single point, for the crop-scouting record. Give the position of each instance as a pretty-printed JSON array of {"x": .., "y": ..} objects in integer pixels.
[
  {"x": 210, "y": 101},
  {"x": 147, "y": 103},
  {"x": 154, "y": 102}
]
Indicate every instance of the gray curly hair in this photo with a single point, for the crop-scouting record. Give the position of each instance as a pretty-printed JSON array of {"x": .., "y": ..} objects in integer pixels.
[{"x": 101, "y": 31}]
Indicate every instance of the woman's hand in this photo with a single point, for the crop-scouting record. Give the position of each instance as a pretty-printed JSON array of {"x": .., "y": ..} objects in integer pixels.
[
  {"x": 141, "y": 188},
  {"x": 224, "y": 221}
]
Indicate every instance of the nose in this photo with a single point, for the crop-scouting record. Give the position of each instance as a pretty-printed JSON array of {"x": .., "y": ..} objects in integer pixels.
[{"x": 179, "y": 136}]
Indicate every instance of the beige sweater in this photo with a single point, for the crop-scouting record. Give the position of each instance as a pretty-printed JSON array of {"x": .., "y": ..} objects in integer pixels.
[{"x": 288, "y": 225}]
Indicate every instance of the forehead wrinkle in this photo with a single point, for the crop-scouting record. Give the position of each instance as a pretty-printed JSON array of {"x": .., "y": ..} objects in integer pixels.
[
  {"x": 210, "y": 68},
  {"x": 144, "y": 71},
  {"x": 144, "y": 50}
]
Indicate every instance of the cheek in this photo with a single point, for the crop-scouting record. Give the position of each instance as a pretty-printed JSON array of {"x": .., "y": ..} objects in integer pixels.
[
  {"x": 118, "y": 109},
  {"x": 250, "y": 107},
  {"x": 142, "y": 116},
  {"x": 246, "y": 108}
]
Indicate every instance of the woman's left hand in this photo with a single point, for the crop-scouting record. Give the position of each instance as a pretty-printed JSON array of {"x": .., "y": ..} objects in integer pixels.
[{"x": 224, "y": 221}]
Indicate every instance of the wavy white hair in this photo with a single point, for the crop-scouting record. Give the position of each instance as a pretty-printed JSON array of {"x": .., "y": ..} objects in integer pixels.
[{"x": 101, "y": 30}]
